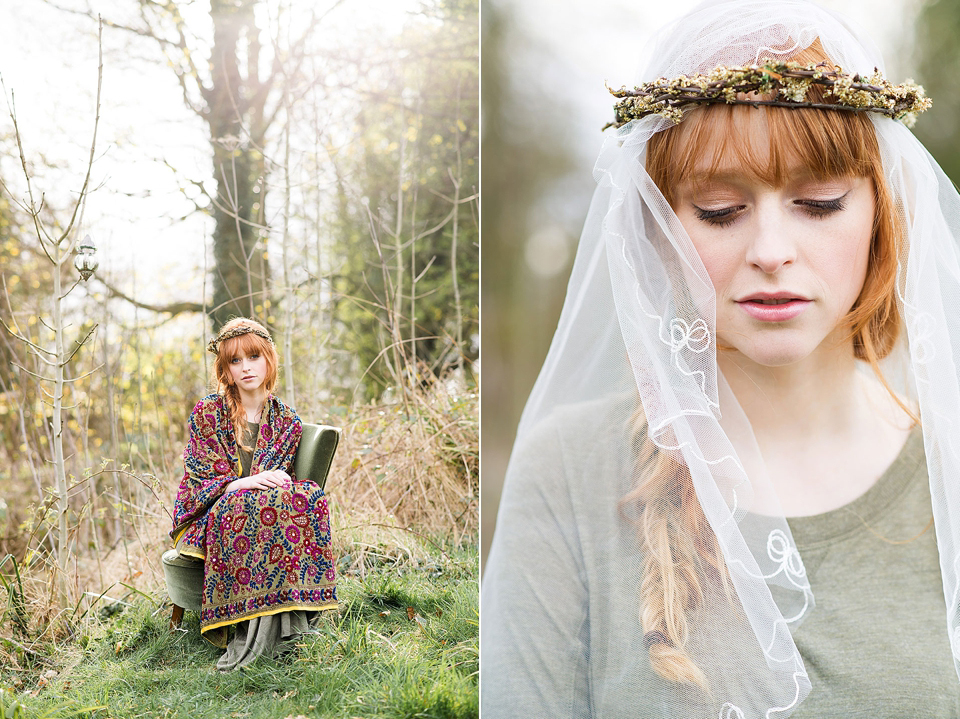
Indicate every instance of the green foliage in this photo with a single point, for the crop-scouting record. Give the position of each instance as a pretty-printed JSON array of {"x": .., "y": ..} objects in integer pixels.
[
  {"x": 404, "y": 201},
  {"x": 10, "y": 708},
  {"x": 938, "y": 54},
  {"x": 372, "y": 660},
  {"x": 15, "y": 606}
]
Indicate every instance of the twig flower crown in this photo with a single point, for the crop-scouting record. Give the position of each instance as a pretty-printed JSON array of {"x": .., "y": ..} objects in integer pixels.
[
  {"x": 226, "y": 334},
  {"x": 773, "y": 84}
]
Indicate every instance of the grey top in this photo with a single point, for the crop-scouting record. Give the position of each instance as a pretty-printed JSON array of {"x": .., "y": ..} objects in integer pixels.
[
  {"x": 250, "y": 439},
  {"x": 560, "y": 629}
]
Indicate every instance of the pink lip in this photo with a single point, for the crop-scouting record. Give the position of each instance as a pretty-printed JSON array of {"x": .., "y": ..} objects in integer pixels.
[{"x": 773, "y": 313}]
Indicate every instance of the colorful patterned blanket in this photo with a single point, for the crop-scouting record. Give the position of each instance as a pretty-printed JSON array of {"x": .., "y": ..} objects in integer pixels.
[{"x": 264, "y": 551}]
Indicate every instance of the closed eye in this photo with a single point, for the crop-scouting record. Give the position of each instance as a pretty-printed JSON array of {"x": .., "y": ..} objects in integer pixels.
[
  {"x": 822, "y": 208},
  {"x": 719, "y": 218}
]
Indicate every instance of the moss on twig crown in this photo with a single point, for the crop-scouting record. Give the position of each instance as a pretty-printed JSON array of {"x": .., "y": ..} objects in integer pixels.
[
  {"x": 779, "y": 84},
  {"x": 214, "y": 344}
]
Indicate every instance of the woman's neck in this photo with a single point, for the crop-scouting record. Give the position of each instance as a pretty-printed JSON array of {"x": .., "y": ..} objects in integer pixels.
[
  {"x": 252, "y": 403},
  {"x": 820, "y": 394},
  {"x": 826, "y": 430}
]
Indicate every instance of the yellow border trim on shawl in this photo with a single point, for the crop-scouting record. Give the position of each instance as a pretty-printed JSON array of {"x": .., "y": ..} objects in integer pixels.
[
  {"x": 184, "y": 552},
  {"x": 270, "y": 612}
]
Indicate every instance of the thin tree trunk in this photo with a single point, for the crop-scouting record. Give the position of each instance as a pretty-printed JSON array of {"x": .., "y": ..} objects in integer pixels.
[
  {"x": 397, "y": 300},
  {"x": 60, "y": 472},
  {"x": 288, "y": 296},
  {"x": 413, "y": 259},
  {"x": 458, "y": 308},
  {"x": 112, "y": 409}
]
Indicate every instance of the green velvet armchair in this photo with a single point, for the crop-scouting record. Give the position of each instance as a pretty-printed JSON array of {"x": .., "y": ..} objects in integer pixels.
[{"x": 184, "y": 576}]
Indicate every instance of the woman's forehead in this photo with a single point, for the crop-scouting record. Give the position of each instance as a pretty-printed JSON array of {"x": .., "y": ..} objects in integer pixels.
[
  {"x": 734, "y": 143},
  {"x": 754, "y": 145},
  {"x": 242, "y": 346}
]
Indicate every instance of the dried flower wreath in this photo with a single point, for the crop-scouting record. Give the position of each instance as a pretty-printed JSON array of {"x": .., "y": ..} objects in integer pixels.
[
  {"x": 774, "y": 84},
  {"x": 214, "y": 344}
]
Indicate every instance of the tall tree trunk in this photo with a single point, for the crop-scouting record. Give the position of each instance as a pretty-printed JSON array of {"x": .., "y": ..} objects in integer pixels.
[{"x": 239, "y": 276}]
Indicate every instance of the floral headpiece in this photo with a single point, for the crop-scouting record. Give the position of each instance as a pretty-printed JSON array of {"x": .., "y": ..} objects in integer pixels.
[
  {"x": 214, "y": 344},
  {"x": 784, "y": 83}
]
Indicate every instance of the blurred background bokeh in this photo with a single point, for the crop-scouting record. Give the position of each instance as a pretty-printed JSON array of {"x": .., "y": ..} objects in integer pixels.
[{"x": 543, "y": 70}]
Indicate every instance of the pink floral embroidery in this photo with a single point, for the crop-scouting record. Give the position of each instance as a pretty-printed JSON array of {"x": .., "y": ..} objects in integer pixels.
[{"x": 299, "y": 502}]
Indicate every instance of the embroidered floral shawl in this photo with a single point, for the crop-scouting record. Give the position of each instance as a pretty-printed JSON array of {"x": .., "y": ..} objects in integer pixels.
[
  {"x": 211, "y": 460},
  {"x": 264, "y": 551}
]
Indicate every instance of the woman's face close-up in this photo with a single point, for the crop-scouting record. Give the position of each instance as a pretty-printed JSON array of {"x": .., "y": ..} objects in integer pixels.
[
  {"x": 787, "y": 263},
  {"x": 248, "y": 371}
]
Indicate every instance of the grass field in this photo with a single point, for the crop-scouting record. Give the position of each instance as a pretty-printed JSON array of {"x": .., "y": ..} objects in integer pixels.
[{"x": 403, "y": 644}]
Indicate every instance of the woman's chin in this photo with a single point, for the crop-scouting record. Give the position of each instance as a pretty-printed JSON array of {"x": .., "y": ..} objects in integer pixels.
[{"x": 771, "y": 354}]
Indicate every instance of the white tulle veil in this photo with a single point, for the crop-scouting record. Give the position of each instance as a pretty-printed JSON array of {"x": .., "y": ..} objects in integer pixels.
[{"x": 639, "y": 320}]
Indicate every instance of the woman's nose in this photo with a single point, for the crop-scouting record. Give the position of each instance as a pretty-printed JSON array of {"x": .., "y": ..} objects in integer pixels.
[{"x": 773, "y": 244}]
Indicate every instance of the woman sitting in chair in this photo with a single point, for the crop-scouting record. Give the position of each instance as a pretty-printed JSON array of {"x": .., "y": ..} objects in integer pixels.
[{"x": 262, "y": 533}]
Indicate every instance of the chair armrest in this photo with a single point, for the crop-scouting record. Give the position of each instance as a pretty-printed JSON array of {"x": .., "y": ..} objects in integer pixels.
[{"x": 318, "y": 445}]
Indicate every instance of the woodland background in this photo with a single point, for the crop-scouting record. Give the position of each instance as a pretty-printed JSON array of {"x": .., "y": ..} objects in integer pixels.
[
  {"x": 537, "y": 180},
  {"x": 314, "y": 165}
]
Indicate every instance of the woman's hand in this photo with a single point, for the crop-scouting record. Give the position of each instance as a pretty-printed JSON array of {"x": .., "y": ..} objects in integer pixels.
[{"x": 271, "y": 479}]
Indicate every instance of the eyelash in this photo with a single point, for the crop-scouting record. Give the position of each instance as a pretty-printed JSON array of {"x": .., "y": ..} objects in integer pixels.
[
  {"x": 718, "y": 218},
  {"x": 817, "y": 209},
  {"x": 821, "y": 208},
  {"x": 237, "y": 359}
]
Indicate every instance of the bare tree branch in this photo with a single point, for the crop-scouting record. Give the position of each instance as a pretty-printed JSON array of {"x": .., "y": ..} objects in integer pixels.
[
  {"x": 173, "y": 308},
  {"x": 80, "y": 344}
]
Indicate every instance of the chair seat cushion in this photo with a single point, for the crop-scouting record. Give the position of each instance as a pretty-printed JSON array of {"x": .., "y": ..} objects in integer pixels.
[{"x": 184, "y": 577}]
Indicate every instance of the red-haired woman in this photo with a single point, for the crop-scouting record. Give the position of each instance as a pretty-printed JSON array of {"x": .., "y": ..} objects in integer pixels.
[
  {"x": 262, "y": 533},
  {"x": 735, "y": 488}
]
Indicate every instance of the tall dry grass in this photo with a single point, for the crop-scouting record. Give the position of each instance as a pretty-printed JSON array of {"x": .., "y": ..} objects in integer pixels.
[{"x": 413, "y": 465}]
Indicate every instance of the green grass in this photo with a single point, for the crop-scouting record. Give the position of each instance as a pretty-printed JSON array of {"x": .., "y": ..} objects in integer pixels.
[{"x": 371, "y": 660}]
